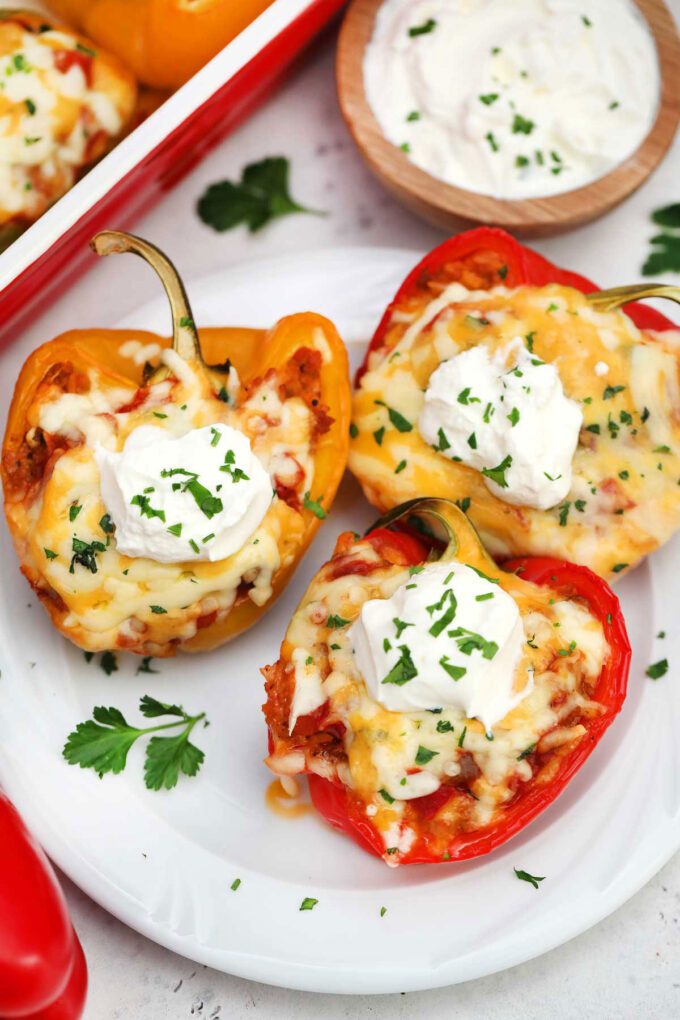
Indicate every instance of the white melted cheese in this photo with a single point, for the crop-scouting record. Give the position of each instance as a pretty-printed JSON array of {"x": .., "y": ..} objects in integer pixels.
[
  {"x": 505, "y": 414},
  {"x": 448, "y": 638},
  {"x": 32, "y": 83},
  {"x": 199, "y": 496},
  {"x": 513, "y": 99}
]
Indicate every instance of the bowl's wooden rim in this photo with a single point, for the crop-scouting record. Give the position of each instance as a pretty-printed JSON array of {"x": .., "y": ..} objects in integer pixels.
[{"x": 448, "y": 205}]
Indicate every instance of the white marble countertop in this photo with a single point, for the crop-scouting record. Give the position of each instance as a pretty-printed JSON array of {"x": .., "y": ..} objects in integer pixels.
[{"x": 629, "y": 965}]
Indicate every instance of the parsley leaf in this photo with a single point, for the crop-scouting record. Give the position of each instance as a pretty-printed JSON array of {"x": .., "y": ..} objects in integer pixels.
[
  {"x": 524, "y": 876},
  {"x": 334, "y": 622},
  {"x": 102, "y": 743},
  {"x": 424, "y": 754},
  {"x": 657, "y": 669},
  {"x": 260, "y": 196},
  {"x": 424, "y": 29},
  {"x": 403, "y": 669},
  {"x": 314, "y": 505},
  {"x": 497, "y": 474},
  {"x": 308, "y": 903}
]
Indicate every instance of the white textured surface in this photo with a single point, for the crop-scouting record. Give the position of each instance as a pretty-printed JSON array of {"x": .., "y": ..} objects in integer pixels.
[{"x": 627, "y": 966}]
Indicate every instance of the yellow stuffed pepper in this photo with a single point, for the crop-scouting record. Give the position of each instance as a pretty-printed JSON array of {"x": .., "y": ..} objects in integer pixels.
[{"x": 157, "y": 502}]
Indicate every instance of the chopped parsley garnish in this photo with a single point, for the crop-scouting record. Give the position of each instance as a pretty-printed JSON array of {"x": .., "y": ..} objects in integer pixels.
[
  {"x": 472, "y": 441},
  {"x": 480, "y": 573},
  {"x": 424, "y": 754},
  {"x": 489, "y": 98},
  {"x": 443, "y": 444},
  {"x": 427, "y": 27},
  {"x": 175, "y": 529},
  {"x": 469, "y": 641},
  {"x": 530, "y": 341},
  {"x": 497, "y": 474},
  {"x": 400, "y": 423},
  {"x": 520, "y": 125},
  {"x": 235, "y": 884},
  {"x": 521, "y": 161},
  {"x": 463, "y": 504},
  {"x": 444, "y": 726},
  {"x": 405, "y": 147},
  {"x": 204, "y": 499},
  {"x": 308, "y": 903},
  {"x": 657, "y": 669},
  {"x": 403, "y": 669},
  {"x": 30, "y": 106},
  {"x": 611, "y": 391},
  {"x": 145, "y": 508},
  {"x": 378, "y": 435},
  {"x": 503, "y": 271},
  {"x": 158, "y": 610},
  {"x": 485, "y": 597},
  {"x": 73, "y": 512},
  {"x": 413, "y": 115},
  {"x": 145, "y": 666},
  {"x": 567, "y": 651},
  {"x": 580, "y": 505},
  {"x": 524, "y": 876},
  {"x": 106, "y": 524},
  {"x": 455, "y": 672},
  {"x": 383, "y": 911},
  {"x": 461, "y": 738},
  {"x": 50, "y": 554},
  {"x": 492, "y": 141},
  {"x": 446, "y": 618},
  {"x": 334, "y": 621},
  {"x": 109, "y": 663},
  {"x": 400, "y": 626},
  {"x": 526, "y": 752},
  {"x": 353, "y": 431},
  {"x": 386, "y": 796},
  {"x": 513, "y": 417},
  {"x": 84, "y": 554},
  {"x": 618, "y": 567},
  {"x": 314, "y": 505},
  {"x": 564, "y": 513},
  {"x": 594, "y": 429},
  {"x": 86, "y": 50},
  {"x": 400, "y": 467}
]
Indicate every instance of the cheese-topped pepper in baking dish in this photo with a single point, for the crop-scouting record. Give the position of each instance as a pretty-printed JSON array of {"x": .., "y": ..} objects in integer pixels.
[
  {"x": 163, "y": 41},
  {"x": 162, "y": 508},
  {"x": 494, "y": 380},
  {"x": 437, "y": 705},
  {"x": 62, "y": 103}
]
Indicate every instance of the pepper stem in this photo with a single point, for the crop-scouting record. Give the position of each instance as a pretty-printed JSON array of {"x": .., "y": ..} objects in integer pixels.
[
  {"x": 616, "y": 297},
  {"x": 444, "y": 511},
  {"x": 184, "y": 336}
]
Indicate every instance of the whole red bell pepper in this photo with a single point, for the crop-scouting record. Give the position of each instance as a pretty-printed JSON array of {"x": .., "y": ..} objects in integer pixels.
[
  {"x": 43, "y": 975},
  {"x": 341, "y": 806},
  {"x": 489, "y": 257}
]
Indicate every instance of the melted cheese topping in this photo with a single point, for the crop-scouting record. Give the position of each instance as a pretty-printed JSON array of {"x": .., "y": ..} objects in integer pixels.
[
  {"x": 127, "y": 602},
  {"x": 624, "y": 498},
  {"x": 393, "y": 757},
  {"x": 51, "y": 115}
]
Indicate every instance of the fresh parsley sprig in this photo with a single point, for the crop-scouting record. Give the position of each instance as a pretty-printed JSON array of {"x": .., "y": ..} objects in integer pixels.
[
  {"x": 102, "y": 743},
  {"x": 260, "y": 196}
]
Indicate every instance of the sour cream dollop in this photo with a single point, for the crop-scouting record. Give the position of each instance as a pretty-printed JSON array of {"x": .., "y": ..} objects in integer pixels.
[
  {"x": 505, "y": 414},
  {"x": 193, "y": 497},
  {"x": 448, "y": 638},
  {"x": 513, "y": 99}
]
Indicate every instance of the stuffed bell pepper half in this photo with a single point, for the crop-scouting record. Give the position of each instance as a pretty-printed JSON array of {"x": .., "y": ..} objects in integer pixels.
[
  {"x": 508, "y": 385},
  {"x": 63, "y": 103},
  {"x": 437, "y": 701},
  {"x": 160, "y": 496}
]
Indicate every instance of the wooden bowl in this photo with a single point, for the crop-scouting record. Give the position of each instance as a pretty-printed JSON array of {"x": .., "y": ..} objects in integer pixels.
[{"x": 451, "y": 207}]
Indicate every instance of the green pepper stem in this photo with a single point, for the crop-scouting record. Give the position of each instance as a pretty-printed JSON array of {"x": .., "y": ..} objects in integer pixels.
[
  {"x": 184, "y": 336},
  {"x": 444, "y": 511}
]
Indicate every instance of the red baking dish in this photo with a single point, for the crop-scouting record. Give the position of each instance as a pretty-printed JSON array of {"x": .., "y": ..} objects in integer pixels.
[{"x": 131, "y": 178}]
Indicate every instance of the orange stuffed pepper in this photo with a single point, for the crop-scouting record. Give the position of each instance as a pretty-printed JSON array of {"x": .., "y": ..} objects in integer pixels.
[
  {"x": 164, "y": 41},
  {"x": 63, "y": 104},
  {"x": 161, "y": 496}
]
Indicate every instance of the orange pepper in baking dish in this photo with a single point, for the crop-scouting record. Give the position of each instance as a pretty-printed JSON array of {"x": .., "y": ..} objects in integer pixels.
[
  {"x": 163, "y": 41},
  {"x": 89, "y": 387}
]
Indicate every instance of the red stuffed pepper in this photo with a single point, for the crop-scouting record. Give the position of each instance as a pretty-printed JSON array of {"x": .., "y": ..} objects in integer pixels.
[
  {"x": 495, "y": 381},
  {"x": 437, "y": 701}
]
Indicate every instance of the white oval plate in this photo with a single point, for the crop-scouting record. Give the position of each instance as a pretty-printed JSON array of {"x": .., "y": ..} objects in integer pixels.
[{"x": 164, "y": 862}]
